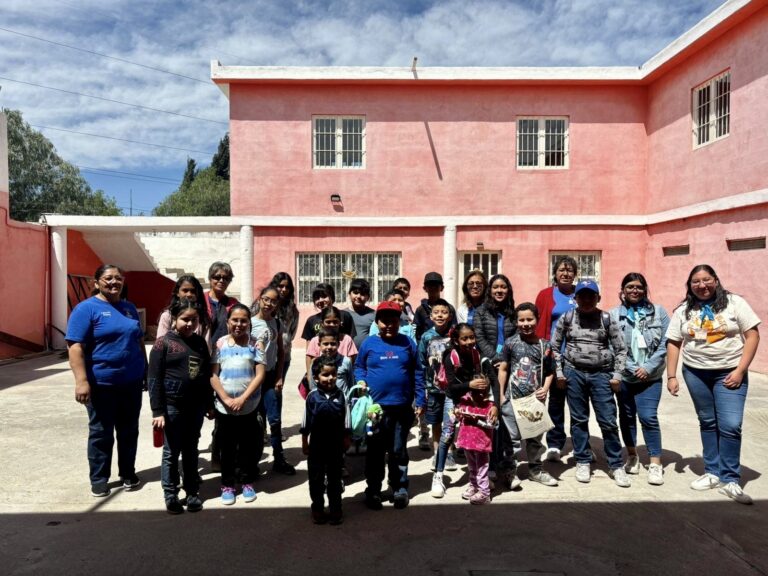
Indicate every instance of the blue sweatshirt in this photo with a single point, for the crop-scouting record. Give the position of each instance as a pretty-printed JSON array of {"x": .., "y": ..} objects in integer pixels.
[{"x": 389, "y": 370}]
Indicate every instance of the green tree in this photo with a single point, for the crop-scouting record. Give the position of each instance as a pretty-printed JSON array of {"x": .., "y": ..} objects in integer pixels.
[
  {"x": 41, "y": 181},
  {"x": 207, "y": 195},
  {"x": 202, "y": 192}
]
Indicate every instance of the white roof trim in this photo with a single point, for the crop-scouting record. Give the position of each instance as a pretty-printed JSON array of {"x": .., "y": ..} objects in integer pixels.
[
  {"x": 223, "y": 223},
  {"x": 226, "y": 74}
]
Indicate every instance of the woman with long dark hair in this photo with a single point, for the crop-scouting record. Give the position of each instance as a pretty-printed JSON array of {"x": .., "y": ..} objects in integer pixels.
[
  {"x": 287, "y": 313},
  {"x": 474, "y": 288},
  {"x": 715, "y": 333}
]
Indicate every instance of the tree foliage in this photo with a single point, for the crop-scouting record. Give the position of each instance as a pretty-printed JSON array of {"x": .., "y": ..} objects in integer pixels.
[
  {"x": 40, "y": 181},
  {"x": 202, "y": 192}
]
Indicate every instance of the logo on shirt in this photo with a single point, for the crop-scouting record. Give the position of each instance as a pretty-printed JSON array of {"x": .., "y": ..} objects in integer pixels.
[{"x": 389, "y": 355}]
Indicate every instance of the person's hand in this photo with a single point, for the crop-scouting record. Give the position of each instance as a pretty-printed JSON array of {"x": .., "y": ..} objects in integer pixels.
[
  {"x": 561, "y": 383},
  {"x": 279, "y": 386},
  {"x": 234, "y": 404},
  {"x": 211, "y": 413},
  {"x": 82, "y": 392},
  {"x": 733, "y": 380},
  {"x": 363, "y": 385},
  {"x": 673, "y": 385},
  {"x": 615, "y": 384},
  {"x": 478, "y": 383},
  {"x": 305, "y": 446},
  {"x": 641, "y": 373},
  {"x": 158, "y": 422},
  {"x": 493, "y": 415},
  {"x": 541, "y": 393},
  {"x": 347, "y": 442}
]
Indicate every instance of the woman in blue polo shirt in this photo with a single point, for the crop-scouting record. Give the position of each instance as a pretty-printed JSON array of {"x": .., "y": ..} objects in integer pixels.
[{"x": 106, "y": 354}]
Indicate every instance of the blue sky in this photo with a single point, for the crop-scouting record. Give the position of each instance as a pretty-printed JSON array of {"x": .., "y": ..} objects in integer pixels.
[{"x": 183, "y": 37}]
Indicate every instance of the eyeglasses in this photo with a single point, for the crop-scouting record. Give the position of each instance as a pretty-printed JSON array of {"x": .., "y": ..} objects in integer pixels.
[
  {"x": 705, "y": 282},
  {"x": 220, "y": 278},
  {"x": 475, "y": 284},
  {"x": 634, "y": 289},
  {"x": 268, "y": 300}
]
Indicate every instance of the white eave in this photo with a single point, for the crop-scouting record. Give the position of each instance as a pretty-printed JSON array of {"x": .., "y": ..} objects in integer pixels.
[{"x": 719, "y": 19}]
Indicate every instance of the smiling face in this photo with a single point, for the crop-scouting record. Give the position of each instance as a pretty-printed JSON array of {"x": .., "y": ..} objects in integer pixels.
[
  {"x": 326, "y": 379},
  {"x": 358, "y": 298},
  {"x": 565, "y": 276},
  {"x": 633, "y": 292},
  {"x": 466, "y": 339},
  {"x": 476, "y": 288},
  {"x": 110, "y": 284},
  {"x": 388, "y": 323},
  {"x": 499, "y": 290},
  {"x": 397, "y": 298},
  {"x": 239, "y": 323},
  {"x": 323, "y": 302},
  {"x": 220, "y": 281},
  {"x": 404, "y": 288},
  {"x": 331, "y": 321},
  {"x": 703, "y": 285},
  {"x": 186, "y": 323},
  {"x": 526, "y": 323},
  {"x": 440, "y": 316},
  {"x": 329, "y": 345}
]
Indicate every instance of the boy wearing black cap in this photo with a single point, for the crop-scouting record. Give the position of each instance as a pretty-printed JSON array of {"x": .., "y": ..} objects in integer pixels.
[
  {"x": 386, "y": 365},
  {"x": 590, "y": 367}
]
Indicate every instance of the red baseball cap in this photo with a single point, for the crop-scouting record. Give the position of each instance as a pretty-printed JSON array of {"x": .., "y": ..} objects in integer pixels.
[{"x": 388, "y": 306}]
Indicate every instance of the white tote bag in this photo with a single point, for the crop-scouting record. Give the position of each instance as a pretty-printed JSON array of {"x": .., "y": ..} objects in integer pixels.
[{"x": 531, "y": 413}]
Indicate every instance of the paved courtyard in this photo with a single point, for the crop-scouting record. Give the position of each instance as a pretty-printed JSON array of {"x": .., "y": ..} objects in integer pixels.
[{"x": 50, "y": 524}]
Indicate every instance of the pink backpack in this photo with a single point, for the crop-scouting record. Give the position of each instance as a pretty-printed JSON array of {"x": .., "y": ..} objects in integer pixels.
[{"x": 441, "y": 379}]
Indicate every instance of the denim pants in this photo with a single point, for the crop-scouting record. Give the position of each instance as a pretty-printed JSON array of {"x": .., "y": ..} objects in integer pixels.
[
  {"x": 113, "y": 411},
  {"x": 239, "y": 437},
  {"x": 533, "y": 446},
  {"x": 182, "y": 433},
  {"x": 721, "y": 413},
  {"x": 556, "y": 408},
  {"x": 584, "y": 387},
  {"x": 272, "y": 408},
  {"x": 390, "y": 443},
  {"x": 447, "y": 434},
  {"x": 640, "y": 400}
]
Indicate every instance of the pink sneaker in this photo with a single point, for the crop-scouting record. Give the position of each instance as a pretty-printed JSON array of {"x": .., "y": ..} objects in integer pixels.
[
  {"x": 480, "y": 498},
  {"x": 469, "y": 493}
]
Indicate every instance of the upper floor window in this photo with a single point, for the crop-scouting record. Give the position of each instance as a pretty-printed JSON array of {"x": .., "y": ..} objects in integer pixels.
[
  {"x": 338, "y": 142},
  {"x": 711, "y": 110},
  {"x": 542, "y": 142}
]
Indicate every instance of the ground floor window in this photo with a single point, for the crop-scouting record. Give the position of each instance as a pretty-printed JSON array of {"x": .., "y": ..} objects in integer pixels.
[
  {"x": 338, "y": 269},
  {"x": 488, "y": 262},
  {"x": 589, "y": 263}
]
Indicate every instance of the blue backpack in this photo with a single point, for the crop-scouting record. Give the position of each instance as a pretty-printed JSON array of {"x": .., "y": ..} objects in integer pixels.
[{"x": 359, "y": 401}]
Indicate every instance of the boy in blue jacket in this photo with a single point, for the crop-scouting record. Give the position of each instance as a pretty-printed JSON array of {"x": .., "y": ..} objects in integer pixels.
[{"x": 386, "y": 365}]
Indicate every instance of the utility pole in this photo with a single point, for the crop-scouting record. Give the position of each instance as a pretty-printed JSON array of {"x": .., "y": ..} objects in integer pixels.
[{"x": 131, "y": 202}]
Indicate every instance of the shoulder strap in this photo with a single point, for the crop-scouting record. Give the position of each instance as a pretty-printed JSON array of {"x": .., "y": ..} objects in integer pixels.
[
  {"x": 606, "y": 317},
  {"x": 567, "y": 321}
]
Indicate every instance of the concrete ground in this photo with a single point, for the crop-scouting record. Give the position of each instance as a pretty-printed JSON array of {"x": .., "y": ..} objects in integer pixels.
[{"x": 49, "y": 522}]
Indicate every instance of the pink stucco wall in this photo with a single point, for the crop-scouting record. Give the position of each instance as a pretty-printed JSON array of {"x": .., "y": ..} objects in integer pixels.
[
  {"x": 469, "y": 167},
  {"x": 678, "y": 175},
  {"x": 23, "y": 279}
]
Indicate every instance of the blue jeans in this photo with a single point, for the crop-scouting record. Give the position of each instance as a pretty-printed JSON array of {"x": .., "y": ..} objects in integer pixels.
[
  {"x": 721, "y": 413},
  {"x": 556, "y": 408},
  {"x": 113, "y": 412},
  {"x": 272, "y": 408},
  {"x": 447, "y": 434},
  {"x": 182, "y": 432},
  {"x": 390, "y": 443},
  {"x": 584, "y": 387},
  {"x": 640, "y": 400}
]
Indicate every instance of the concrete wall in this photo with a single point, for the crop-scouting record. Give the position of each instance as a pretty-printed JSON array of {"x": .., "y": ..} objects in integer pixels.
[{"x": 437, "y": 150}]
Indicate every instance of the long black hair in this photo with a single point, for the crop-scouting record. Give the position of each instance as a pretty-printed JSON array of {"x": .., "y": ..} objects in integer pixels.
[
  {"x": 506, "y": 307},
  {"x": 287, "y": 311},
  {"x": 205, "y": 321},
  {"x": 721, "y": 294},
  {"x": 465, "y": 285},
  {"x": 636, "y": 277}
]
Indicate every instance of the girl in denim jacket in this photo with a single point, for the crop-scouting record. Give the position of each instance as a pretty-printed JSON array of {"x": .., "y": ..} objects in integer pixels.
[{"x": 644, "y": 327}]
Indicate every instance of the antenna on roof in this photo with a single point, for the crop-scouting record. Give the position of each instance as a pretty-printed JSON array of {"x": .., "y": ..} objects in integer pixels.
[{"x": 413, "y": 65}]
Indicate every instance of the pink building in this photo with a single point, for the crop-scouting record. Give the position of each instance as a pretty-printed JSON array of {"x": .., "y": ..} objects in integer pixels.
[{"x": 387, "y": 172}]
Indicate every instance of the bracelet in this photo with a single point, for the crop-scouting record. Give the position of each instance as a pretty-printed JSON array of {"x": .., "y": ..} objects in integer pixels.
[{"x": 670, "y": 377}]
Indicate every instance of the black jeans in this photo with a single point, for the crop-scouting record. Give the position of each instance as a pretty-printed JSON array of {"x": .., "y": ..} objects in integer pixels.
[
  {"x": 239, "y": 438},
  {"x": 182, "y": 433},
  {"x": 326, "y": 458},
  {"x": 391, "y": 440}
]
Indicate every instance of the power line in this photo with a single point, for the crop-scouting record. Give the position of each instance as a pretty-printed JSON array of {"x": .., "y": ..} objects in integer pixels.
[
  {"x": 169, "y": 180},
  {"x": 208, "y": 82},
  {"x": 114, "y": 101},
  {"x": 137, "y": 178},
  {"x": 121, "y": 139}
]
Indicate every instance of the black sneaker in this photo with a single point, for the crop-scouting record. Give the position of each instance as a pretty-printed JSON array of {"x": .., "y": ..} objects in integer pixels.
[
  {"x": 373, "y": 501},
  {"x": 173, "y": 506},
  {"x": 194, "y": 503},
  {"x": 335, "y": 517},
  {"x": 100, "y": 490},
  {"x": 282, "y": 467},
  {"x": 130, "y": 482}
]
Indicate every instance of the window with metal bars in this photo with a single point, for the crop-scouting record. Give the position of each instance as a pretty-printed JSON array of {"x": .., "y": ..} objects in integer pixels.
[
  {"x": 338, "y": 142},
  {"x": 711, "y": 110},
  {"x": 588, "y": 262},
  {"x": 338, "y": 269},
  {"x": 542, "y": 142}
]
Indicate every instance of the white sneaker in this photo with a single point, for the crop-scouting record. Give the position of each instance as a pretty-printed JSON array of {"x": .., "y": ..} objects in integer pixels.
[
  {"x": 511, "y": 479},
  {"x": 552, "y": 455},
  {"x": 433, "y": 465},
  {"x": 438, "y": 488},
  {"x": 633, "y": 464},
  {"x": 735, "y": 493},
  {"x": 583, "y": 472},
  {"x": 619, "y": 476},
  {"x": 705, "y": 482},
  {"x": 655, "y": 474},
  {"x": 450, "y": 462},
  {"x": 542, "y": 477}
]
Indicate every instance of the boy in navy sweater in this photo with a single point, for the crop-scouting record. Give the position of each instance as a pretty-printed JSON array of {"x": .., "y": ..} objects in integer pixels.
[
  {"x": 325, "y": 436},
  {"x": 386, "y": 365}
]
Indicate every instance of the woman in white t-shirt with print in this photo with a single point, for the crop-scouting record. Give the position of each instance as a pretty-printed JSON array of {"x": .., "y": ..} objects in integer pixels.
[{"x": 716, "y": 332}]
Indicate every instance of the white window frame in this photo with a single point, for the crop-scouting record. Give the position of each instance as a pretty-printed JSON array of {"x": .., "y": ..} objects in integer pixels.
[
  {"x": 381, "y": 280},
  {"x": 581, "y": 258},
  {"x": 486, "y": 260},
  {"x": 542, "y": 139},
  {"x": 711, "y": 110},
  {"x": 338, "y": 138}
]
